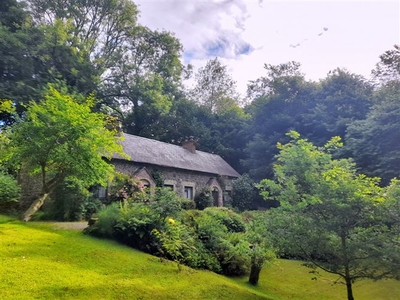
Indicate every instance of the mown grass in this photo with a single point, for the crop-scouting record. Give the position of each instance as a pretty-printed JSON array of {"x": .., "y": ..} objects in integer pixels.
[{"x": 39, "y": 262}]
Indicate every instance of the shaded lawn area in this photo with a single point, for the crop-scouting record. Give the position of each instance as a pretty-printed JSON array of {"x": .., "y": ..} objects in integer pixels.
[{"x": 40, "y": 262}]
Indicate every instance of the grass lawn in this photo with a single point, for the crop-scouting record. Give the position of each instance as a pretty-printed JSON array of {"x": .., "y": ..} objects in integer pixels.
[{"x": 39, "y": 262}]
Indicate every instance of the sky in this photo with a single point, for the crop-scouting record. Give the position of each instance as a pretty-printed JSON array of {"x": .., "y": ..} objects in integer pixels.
[{"x": 246, "y": 34}]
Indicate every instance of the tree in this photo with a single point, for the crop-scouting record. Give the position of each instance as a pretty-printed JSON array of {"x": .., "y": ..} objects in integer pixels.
[
  {"x": 283, "y": 99},
  {"x": 342, "y": 98},
  {"x": 63, "y": 140},
  {"x": 99, "y": 28},
  {"x": 214, "y": 89},
  {"x": 143, "y": 82},
  {"x": 337, "y": 218},
  {"x": 388, "y": 68},
  {"x": 374, "y": 143},
  {"x": 244, "y": 193},
  {"x": 17, "y": 67}
]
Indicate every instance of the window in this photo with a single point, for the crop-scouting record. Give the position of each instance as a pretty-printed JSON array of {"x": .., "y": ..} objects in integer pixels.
[
  {"x": 145, "y": 183},
  {"x": 188, "y": 192},
  {"x": 101, "y": 192},
  {"x": 169, "y": 186}
]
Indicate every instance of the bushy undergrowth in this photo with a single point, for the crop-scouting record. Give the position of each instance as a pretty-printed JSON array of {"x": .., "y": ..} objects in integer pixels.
[
  {"x": 213, "y": 239},
  {"x": 204, "y": 198},
  {"x": 9, "y": 191}
]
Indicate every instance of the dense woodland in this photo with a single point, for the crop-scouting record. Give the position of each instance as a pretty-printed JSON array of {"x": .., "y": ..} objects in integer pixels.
[{"x": 136, "y": 74}]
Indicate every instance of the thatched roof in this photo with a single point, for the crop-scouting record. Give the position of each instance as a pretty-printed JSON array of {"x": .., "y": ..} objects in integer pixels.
[{"x": 148, "y": 151}]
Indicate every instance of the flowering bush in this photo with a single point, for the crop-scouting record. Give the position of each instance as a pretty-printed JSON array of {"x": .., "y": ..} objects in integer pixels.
[{"x": 125, "y": 188}]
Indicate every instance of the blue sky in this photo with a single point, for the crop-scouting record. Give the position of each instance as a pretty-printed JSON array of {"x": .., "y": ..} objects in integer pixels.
[{"x": 321, "y": 35}]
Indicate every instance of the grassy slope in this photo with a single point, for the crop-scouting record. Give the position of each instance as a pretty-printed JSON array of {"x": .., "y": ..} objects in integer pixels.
[{"x": 38, "y": 262}]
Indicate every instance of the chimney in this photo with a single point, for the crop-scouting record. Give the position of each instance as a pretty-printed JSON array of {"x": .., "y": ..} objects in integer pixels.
[{"x": 189, "y": 144}]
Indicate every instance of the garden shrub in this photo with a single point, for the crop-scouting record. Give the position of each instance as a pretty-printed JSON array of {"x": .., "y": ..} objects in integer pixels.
[
  {"x": 9, "y": 191},
  {"x": 212, "y": 239},
  {"x": 227, "y": 217},
  {"x": 90, "y": 207},
  {"x": 125, "y": 188},
  {"x": 204, "y": 198},
  {"x": 244, "y": 193},
  {"x": 215, "y": 237},
  {"x": 107, "y": 219},
  {"x": 135, "y": 226},
  {"x": 176, "y": 241},
  {"x": 188, "y": 204},
  {"x": 166, "y": 203}
]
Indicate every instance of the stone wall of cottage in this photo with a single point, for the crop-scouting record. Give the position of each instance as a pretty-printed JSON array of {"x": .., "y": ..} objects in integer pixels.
[{"x": 179, "y": 179}]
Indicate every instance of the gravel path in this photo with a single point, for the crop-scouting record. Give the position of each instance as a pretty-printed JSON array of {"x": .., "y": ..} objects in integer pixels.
[{"x": 70, "y": 225}]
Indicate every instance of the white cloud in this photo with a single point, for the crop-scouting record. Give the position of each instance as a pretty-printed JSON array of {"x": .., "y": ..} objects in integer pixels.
[{"x": 247, "y": 34}]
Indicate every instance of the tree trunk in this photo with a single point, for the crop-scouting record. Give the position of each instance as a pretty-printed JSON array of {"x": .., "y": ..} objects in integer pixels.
[
  {"x": 349, "y": 290},
  {"x": 254, "y": 274},
  {"x": 34, "y": 207}
]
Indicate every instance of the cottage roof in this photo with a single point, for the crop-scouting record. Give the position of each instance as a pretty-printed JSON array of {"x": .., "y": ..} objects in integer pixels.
[{"x": 144, "y": 150}]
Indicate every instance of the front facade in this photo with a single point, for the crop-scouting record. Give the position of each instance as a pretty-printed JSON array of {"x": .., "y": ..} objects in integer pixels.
[{"x": 183, "y": 169}]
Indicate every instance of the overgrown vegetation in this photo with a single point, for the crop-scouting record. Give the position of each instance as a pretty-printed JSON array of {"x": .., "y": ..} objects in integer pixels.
[
  {"x": 214, "y": 238},
  {"x": 330, "y": 216},
  {"x": 56, "y": 55},
  {"x": 39, "y": 262},
  {"x": 9, "y": 191}
]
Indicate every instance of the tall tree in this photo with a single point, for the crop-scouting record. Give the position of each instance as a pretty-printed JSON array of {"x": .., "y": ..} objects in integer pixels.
[
  {"x": 374, "y": 142},
  {"x": 388, "y": 68},
  {"x": 63, "y": 140},
  {"x": 145, "y": 80},
  {"x": 100, "y": 27},
  {"x": 332, "y": 217},
  {"x": 214, "y": 87},
  {"x": 284, "y": 97},
  {"x": 341, "y": 99},
  {"x": 18, "y": 36}
]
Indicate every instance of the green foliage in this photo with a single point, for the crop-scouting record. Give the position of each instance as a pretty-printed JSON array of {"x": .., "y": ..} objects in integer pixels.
[
  {"x": 388, "y": 68},
  {"x": 176, "y": 241},
  {"x": 330, "y": 216},
  {"x": 67, "y": 203},
  {"x": 107, "y": 218},
  {"x": 188, "y": 204},
  {"x": 204, "y": 198},
  {"x": 158, "y": 178},
  {"x": 215, "y": 89},
  {"x": 89, "y": 207},
  {"x": 64, "y": 141},
  {"x": 212, "y": 239},
  {"x": 124, "y": 188},
  {"x": 166, "y": 203},
  {"x": 230, "y": 248},
  {"x": 135, "y": 226},
  {"x": 281, "y": 103},
  {"x": 374, "y": 142},
  {"x": 244, "y": 193},
  {"x": 231, "y": 220},
  {"x": 64, "y": 138},
  {"x": 9, "y": 190}
]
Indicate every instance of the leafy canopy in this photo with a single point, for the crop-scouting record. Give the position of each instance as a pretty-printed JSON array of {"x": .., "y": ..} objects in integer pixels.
[
  {"x": 330, "y": 216},
  {"x": 65, "y": 140}
]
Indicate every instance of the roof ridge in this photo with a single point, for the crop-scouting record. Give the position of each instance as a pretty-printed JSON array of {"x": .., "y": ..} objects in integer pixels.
[{"x": 180, "y": 147}]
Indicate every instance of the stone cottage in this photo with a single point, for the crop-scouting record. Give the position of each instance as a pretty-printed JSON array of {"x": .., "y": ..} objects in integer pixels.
[{"x": 183, "y": 168}]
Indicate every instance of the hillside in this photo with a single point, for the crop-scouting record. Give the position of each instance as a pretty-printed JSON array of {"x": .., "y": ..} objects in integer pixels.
[{"x": 40, "y": 262}]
